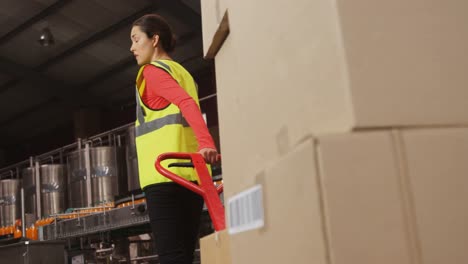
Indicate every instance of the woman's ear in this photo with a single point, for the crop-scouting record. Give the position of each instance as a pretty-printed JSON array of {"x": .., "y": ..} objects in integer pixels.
[{"x": 155, "y": 40}]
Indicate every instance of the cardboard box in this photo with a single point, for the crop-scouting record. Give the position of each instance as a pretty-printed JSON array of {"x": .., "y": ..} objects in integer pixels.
[
  {"x": 215, "y": 248},
  {"x": 390, "y": 196},
  {"x": 215, "y": 26},
  {"x": 293, "y": 231},
  {"x": 437, "y": 181},
  {"x": 363, "y": 206},
  {"x": 289, "y": 70},
  {"x": 342, "y": 65}
]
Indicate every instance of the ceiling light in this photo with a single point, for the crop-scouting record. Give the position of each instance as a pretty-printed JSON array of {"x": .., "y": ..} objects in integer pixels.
[{"x": 46, "y": 38}]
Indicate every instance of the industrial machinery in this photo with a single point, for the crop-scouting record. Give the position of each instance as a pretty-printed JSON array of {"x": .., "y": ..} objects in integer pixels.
[
  {"x": 83, "y": 197},
  {"x": 10, "y": 207},
  {"x": 53, "y": 189}
]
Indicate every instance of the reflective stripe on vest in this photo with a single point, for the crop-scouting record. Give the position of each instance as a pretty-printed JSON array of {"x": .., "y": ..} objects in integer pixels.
[
  {"x": 148, "y": 127},
  {"x": 163, "y": 130}
]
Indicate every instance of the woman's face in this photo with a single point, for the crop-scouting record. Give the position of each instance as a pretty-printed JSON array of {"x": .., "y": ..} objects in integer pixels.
[{"x": 143, "y": 48}]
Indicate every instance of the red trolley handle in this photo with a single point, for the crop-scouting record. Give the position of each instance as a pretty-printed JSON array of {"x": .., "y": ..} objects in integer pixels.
[
  {"x": 206, "y": 188},
  {"x": 196, "y": 159}
]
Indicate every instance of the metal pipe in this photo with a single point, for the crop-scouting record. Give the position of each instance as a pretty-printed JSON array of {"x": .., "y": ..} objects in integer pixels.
[
  {"x": 88, "y": 175},
  {"x": 133, "y": 205},
  {"x": 94, "y": 139},
  {"x": 10, "y": 172},
  {"x": 61, "y": 149},
  {"x": 121, "y": 128},
  {"x": 23, "y": 218},
  {"x": 207, "y": 97},
  {"x": 119, "y": 141},
  {"x": 43, "y": 158},
  {"x": 78, "y": 141},
  {"x": 82, "y": 208},
  {"x": 38, "y": 191},
  {"x": 31, "y": 163},
  {"x": 104, "y": 250},
  {"x": 13, "y": 166},
  {"x": 55, "y": 229},
  {"x": 145, "y": 258}
]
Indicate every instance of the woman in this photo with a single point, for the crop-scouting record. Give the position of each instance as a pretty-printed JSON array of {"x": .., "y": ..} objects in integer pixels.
[{"x": 168, "y": 120}]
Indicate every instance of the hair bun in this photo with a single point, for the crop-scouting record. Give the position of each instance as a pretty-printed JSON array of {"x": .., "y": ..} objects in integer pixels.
[{"x": 153, "y": 24}]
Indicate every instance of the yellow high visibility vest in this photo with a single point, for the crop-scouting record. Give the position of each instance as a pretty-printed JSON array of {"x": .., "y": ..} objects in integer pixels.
[{"x": 163, "y": 130}]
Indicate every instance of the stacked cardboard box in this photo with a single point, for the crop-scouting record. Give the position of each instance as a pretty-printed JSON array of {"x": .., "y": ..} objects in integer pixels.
[
  {"x": 349, "y": 115},
  {"x": 216, "y": 248},
  {"x": 364, "y": 197}
]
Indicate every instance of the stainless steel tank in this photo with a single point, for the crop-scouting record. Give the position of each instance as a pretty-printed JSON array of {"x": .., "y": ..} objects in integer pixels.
[
  {"x": 53, "y": 189},
  {"x": 29, "y": 186},
  {"x": 131, "y": 160},
  {"x": 105, "y": 173},
  {"x": 77, "y": 191},
  {"x": 10, "y": 201}
]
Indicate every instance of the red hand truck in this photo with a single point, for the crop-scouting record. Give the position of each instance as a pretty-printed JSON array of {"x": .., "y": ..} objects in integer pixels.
[{"x": 206, "y": 188}]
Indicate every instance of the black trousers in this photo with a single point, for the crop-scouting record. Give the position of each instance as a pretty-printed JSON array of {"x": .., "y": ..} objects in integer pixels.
[{"x": 174, "y": 213}]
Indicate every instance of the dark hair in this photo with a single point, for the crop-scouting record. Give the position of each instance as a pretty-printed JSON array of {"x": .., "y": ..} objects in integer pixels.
[{"x": 153, "y": 24}]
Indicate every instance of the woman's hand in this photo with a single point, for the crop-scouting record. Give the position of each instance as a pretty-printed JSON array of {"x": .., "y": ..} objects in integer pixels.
[{"x": 210, "y": 155}]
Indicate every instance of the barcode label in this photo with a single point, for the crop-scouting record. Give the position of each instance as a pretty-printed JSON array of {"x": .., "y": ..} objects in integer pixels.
[{"x": 246, "y": 210}]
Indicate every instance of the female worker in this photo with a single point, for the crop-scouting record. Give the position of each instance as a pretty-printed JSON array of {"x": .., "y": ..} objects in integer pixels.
[{"x": 168, "y": 120}]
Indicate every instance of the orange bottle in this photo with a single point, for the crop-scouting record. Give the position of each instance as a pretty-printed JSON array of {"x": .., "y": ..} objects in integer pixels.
[
  {"x": 2, "y": 231},
  {"x": 11, "y": 230},
  {"x": 34, "y": 233},
  {"x": 17, "y": 233}
]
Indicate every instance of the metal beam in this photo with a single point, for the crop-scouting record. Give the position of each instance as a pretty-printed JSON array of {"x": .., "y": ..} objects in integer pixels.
[
  {"x": 24, "y": 71},
  {"x": 116, "y": 68},
  {"x": 75, "y": 95},
  {"x": 28, "y": 23},
  {"x": 122, "y": 65},
  {"x": 97, "y": 36}
]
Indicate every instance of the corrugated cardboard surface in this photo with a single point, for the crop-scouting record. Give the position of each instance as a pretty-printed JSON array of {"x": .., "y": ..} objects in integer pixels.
[
  {"x": 389, "y": 196},
  {"x": 244, "y": 148},
  {"x": 288, "y": 70},
  {"x": 394, "y": 63},
  {"x": 214, "y": 25},
  {"x": 293, "y": 230},
  {"x": 215, "y": 248},
  {"x": 362, "y": 196},
  {"x": 255, "y": 116},
  {"x": 406, "y": 61},
  {"x": 438, "y": 178}
]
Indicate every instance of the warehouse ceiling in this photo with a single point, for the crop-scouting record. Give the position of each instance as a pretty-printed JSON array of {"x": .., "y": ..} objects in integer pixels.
[{"x": 89, "y": 66}]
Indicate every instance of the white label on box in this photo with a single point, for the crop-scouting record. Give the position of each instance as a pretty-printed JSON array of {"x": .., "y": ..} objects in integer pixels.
[
  {"x": 78, "y": 259},
  {"x": 246, "y": 210}
]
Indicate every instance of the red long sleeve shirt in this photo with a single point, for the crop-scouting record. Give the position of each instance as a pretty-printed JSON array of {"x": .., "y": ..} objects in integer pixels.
[{"x": 161, "y": 90}]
